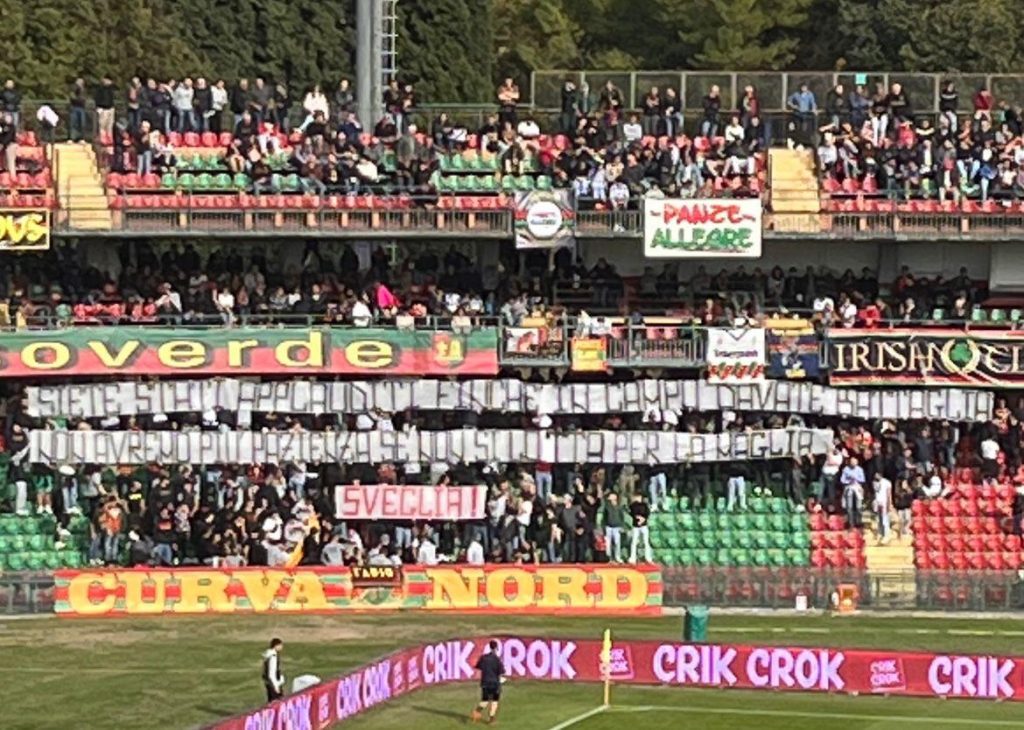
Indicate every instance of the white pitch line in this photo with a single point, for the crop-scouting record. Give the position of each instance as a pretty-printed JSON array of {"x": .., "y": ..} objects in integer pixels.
[
  {"x": 1010, "y": 633},
  {"x": 969, "y": 632},
  {"x": 580, "y": 718},
  {"x": 970, "y": 721}
]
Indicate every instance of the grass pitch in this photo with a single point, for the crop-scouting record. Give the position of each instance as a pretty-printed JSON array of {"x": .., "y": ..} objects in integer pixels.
[{"x": 182, "y": 672}]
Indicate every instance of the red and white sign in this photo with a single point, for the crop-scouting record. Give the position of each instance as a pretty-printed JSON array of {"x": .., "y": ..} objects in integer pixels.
[
  {"x": 405, "y": 502},
  {"x": 645, "y": 662}
]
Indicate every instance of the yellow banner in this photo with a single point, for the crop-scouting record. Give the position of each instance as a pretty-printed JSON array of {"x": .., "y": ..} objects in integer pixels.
[{"x": 24, "y": 230}]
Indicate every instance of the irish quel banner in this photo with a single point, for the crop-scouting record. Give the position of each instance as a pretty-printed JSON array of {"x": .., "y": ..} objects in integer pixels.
[
  {"x": 597, "y": 589},
  {"x": 992, "y": 359},
  {"x": 149, "y": 351},
  {"x": 719, "y": 666}
]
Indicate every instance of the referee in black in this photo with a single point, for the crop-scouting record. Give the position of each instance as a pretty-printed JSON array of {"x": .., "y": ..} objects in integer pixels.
[{"x": 492, "y": 672}]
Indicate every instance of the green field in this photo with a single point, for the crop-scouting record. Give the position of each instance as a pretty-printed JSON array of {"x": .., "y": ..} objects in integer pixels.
[{"x": 184, "y": 672}]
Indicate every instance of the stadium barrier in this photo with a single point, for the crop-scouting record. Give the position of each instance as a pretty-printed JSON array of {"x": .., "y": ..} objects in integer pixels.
[
  {"x": 719, "y": 666},
  {"x": 565, "y": 588}
]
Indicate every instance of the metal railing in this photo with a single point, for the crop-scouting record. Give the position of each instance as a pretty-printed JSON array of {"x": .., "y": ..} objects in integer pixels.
[
  {"x": 883, "y": 590},
  {"x": 24, "y": 593},
  {"x": 773, "y": 87}
]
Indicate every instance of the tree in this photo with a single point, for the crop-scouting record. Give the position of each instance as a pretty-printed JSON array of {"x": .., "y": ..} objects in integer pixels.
[
  {"x": 738, "y": 34},
  {"x": 532, "y": 35},
  {"x": 445, "y": 48},
  {"x": 975, "y": 37}
]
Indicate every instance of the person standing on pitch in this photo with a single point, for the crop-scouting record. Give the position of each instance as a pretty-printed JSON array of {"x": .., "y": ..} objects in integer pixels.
[
  {"x": 492, "y": 674},
  {"x": 273, "y": 677}
]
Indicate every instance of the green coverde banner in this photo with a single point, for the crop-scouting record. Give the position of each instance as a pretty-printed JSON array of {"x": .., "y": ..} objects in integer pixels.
[
  {"x": 948, "y": 357},
  {"x": 91, "y": 351}
]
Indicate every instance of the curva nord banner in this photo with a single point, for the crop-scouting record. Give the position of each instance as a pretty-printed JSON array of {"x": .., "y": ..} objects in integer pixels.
[
  {"x": 409, "y": 502},
  {"x": 246, "y": 351},
  {"x": 683, "y": 229},
  {"x": 721, "y": 666},
  {"x": 594, "y": 589},
  {"x": 927, "y": 357}
]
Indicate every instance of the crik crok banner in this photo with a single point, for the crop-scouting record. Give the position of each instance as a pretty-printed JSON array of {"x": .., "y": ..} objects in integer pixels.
[{"x": 721, "y": 666}]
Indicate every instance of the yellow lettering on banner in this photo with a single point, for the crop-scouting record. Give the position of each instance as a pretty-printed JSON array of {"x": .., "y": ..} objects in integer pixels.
[
  {"x": 454, "y": 587},
  {"x": 314, "y": 347},
  {"x": 524, "y": 591},
  {"x": 236, "y": 350},
  {"x": 25, "y": 228},
  {"x": 203, "y": 591},
  {"x": 563, "y": 588},
  {"x": 111, "y": 360},
  {"x": 185, "y": 354},
  {"x": 61, "y": 355},
  {"x": 610, "y": 581},
  {"x": 449, "y": 350},
  {"x": 78, "y": 594},
  {"x": 260, "y": 587},
  {"x": 370, "y": 354},
  {"x": 306, "y": 593},
  {"x": 134, "y": 582}
]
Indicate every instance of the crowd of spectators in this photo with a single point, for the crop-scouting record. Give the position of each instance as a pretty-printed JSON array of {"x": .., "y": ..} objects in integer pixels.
[
  {"x": 279, "y": 514},
  {"x": 331, "y": 283},
  {"x": 876, "y": 145}
]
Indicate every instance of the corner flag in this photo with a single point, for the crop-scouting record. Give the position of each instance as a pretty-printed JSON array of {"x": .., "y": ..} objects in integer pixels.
[{"x": 606, "y": 665}]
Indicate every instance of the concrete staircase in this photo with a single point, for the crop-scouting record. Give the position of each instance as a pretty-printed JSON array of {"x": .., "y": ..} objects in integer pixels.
[
  {"x": 794, "y": 193},
  {"x": 891, "y": 566},
  {"x": 79, "y": 187}
]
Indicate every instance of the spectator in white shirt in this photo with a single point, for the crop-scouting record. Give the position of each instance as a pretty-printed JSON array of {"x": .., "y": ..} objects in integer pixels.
[
  {"x": 475, "y": 552},
  {"x": 632, "y": 131},
  {"x": 847, "y": 312},
  {"x": 734, "y": 132},
  {"x": 427, "y": 552},
  {"x": 225, "y": 302},
  {"x": 989, "y": 458},
  {"x": 618, "y": 195},
  {"x": 528, "y": 129},
  {"x": 361, "y": 314},
  {"x": 314, "y": 102}
]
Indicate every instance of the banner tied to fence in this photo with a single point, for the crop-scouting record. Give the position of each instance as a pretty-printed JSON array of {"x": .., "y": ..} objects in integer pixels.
[
  {"x": 463, "y": 445},
  {"x": 99, "y": 400}
]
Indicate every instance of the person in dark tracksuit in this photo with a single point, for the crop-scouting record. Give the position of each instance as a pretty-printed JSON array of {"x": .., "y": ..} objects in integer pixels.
[
  {"x": 273, "y": 676},
  {"x": 492, "y": 672}
]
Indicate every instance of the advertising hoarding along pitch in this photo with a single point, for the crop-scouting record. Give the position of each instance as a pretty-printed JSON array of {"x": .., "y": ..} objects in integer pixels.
[
  {"x": 719, "y": 666},
  {"x": 248, "y": 351},
  {"x": 717, "y": 228}
]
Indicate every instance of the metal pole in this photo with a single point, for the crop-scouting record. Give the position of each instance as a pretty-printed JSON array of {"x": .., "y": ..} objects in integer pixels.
[
  {"x": 365, "y": 64},
  {"x": 377, "y": 54}
]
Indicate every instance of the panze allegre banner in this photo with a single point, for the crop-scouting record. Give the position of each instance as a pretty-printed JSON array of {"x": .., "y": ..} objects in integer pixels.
[
  {"x": 409, "y": 502},
  {"x": 461, "y": 445},
  {"x": 717, "y": 228},
  {"x": 392, "y": 395}
]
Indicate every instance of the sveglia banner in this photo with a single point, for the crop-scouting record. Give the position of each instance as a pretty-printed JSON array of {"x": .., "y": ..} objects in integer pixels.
[
  {"x": 246, "y": 351},
  {"x": 719, "y": 666},
  {"x": 408, "y": 502}
]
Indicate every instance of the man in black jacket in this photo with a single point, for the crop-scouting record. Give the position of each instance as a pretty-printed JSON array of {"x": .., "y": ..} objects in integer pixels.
[
  {"x": 104, "y": 98},
  {"x": 202, "y": 103},
  {"x": 273, "y": 676},
  {"x": 492, "y": 675},
  {"x": 10, "y": 101}
]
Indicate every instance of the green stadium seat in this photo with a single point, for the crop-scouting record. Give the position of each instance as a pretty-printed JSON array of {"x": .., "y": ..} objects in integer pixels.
[
  {"x": 798, "y": 556},
  {"x": 702, "y": 557},
  {"x": 721, "y": 504},
  {"x": 798, "y": 522},
  {"x": 778, "y": 505},
  {"x": 186, "y": 181},
  {"x": 705, "y": 521},
  {"x": 760, "y": 539},
  {"x": 723, "y": 557},
  {"x": 15, "y": 561},
  {"x": 708, "y": 539},
  {"x": 800, "y": 540},
  {"x": 1016, "y": 315},
  {"x": 979, "y": 315},
  {"x": 544, "y": 183},
  {"x": 169, "y": 180},
  {"x": 723, "y": 521},
  {"x": 71, "y": 558},
  {"x": 684, "y": 557},
  {"x": 17, "y": 544},
  {"x": 290, "y": 183},
  {"x": 35, "y": 561},
  {"x": 469, "y": 184},
  {"x": 740, "y": 557},
  {"x": 456, "y": 163},
  {"x": 488, "y": 184},
  {"x": 673, "y": 540},
  {"x": 508, "y": 183},
  {"x": 204, "y": 181},
  {"x": 686, "y": 521},
  {"x": 778, "y": 522},
  {"x": 684, "y": 504},
  {"x": 757, "y": 504},
  {"x": 938, "y": 314},
  {"x": 52, "y": 560},
  {"x": 744, "y": 540},
  {"x": 997, "y": 315},
  {"x": 725, "y": 538},
  {"x": 740, "y": 521},
  {"x": 666, "y": 557},
  {"x": 776, "y": 558},
  {"x": 780, "y": 540},
  {"x": 240, "y": 181},
  {"x": 221, "y": 181},
  {"x": 759, "y": 558},
  {"x": 691, "y": 540},
  {"x": 759, "y": 522},
  {"x": 36, "y": 542}
]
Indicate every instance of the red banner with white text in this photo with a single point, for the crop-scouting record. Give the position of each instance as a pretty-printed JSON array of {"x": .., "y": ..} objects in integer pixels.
[
  {"x": 651, "y": 663},
  {"x": 407, "y": 502}
]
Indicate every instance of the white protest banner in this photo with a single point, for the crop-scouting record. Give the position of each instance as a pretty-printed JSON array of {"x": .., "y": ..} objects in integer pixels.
[
  {"x": 98, "y": 400},
  {"x": 462, "y": 445},
  {"x": 735, "y": 355},
  {"x": 682, "y": 229},
  {"x": 407, "y": 502}
]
